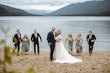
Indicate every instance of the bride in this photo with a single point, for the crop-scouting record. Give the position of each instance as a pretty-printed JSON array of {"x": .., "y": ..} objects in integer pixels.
[{"x": 60, "y": 54}]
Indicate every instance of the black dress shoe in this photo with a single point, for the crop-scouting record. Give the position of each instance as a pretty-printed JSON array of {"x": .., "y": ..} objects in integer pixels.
[{"x": 51, "y": 59}]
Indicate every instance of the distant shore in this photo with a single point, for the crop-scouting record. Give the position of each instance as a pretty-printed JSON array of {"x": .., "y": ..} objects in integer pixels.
[{"x": 99, "y": 62}]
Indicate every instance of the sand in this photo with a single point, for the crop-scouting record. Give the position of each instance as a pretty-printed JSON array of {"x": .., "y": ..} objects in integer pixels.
[{"x": 99, "y": 62}]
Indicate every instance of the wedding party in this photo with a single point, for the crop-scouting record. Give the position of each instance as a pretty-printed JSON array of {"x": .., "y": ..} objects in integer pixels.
[{"x": 52, "y": 39}]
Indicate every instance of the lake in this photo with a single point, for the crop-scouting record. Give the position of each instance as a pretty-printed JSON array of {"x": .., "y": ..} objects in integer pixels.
[{"x": 68, "y": 24}]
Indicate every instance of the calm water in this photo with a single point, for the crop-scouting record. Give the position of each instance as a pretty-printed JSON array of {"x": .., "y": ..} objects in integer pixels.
[{"x": 99, "y": 25}]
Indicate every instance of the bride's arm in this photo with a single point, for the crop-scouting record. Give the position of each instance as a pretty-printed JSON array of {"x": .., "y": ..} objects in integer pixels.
[{"x": 57, "y": 39}]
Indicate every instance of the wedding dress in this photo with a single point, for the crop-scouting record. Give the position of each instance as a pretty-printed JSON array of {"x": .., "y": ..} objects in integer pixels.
[{"x": 61, "y": 55}]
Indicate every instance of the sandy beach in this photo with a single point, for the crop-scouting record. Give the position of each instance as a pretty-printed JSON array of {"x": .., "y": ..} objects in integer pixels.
[{"x": 99, "y": 62}]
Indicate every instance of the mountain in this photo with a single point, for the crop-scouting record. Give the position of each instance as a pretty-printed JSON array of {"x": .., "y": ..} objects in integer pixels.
[
  {"x": 10, "y": 11},
  {"x": 89, "y": 8},
  {"x": 37, "y": 12}
]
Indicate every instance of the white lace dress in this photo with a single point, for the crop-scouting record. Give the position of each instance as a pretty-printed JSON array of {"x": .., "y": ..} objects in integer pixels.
[{"x": 61, "y": 55}]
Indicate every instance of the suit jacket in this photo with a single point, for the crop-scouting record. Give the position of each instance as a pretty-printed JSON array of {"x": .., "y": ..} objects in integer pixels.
[
  {"x": 92, "y": 38},
  {"x": 36, "y": 39},
  {"x": 50, "y": 38},
  {"x": 17, "y": 39}
]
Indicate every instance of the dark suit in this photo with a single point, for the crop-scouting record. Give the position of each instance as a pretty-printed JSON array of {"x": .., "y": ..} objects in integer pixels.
[
  {"x": 91, "y": 44},
  {"x": 17, "y": 40},
  {"x": 51, "y": 40},
  {"x": 35, "y": 41}
]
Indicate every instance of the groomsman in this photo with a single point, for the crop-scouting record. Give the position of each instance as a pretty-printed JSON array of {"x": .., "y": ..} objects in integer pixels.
[
  {"x": 35, "y": 40},
  {"x": 91, "y": 39},
  {"x": 17, "y": 40}
]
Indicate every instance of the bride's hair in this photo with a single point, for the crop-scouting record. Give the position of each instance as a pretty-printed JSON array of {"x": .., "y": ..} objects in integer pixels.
[{"x": 58, "y": 32}]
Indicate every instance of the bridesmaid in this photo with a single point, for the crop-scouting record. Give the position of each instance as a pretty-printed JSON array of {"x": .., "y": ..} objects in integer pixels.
[
  {"x": 78, "y": 44},
  {"x": 25, "y": 44},
  {"x": 70, "y": 40}
]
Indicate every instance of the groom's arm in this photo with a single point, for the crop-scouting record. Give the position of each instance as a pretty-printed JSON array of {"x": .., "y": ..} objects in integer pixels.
[{"x": 48, "y": 37}]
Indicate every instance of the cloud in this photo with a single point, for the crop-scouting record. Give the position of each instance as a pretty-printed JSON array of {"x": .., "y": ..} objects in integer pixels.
[
  {"x": 40, "y": 1},
  {"x": 45, "y": 7},
  {"x": 39, "y": 4}
]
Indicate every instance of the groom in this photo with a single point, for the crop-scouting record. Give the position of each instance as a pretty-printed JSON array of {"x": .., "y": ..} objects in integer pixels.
[{"x": 51, "y": 42}]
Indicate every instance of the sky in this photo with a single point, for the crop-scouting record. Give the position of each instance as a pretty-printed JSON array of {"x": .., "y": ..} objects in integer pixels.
[{"x": 47, "y": 5}]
